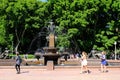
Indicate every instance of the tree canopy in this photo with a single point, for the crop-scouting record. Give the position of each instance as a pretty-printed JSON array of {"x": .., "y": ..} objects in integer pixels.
[{"x": 80, "y": 24}]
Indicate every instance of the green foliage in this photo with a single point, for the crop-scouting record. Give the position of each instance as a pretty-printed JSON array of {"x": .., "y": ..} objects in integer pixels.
[
  {"x": 63, "y": 41},
  {"x": 19, "y": 17},
  {"x": 29, "y": 56},
  {"x": 81, "y": 24},
  {"x": 106, "y": 37},
  {"x": 72, "y": 32},
  {"x": 2, "y": 31}
]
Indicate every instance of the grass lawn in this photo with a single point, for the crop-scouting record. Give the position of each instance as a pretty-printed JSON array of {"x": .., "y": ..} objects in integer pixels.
[{"x": 29, "y": 56}]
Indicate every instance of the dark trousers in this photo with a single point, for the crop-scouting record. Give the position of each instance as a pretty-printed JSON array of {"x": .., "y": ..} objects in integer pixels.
[{"x": 17, "y": 67}]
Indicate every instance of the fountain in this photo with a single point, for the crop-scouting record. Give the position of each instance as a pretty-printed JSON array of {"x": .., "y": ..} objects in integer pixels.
[{"x": 50, "y": 51}]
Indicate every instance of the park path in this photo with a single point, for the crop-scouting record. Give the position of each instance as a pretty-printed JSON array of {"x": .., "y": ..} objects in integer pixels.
[{"x": 59, "y": 74}]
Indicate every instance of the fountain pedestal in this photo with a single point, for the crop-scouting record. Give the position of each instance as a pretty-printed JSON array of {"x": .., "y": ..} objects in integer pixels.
[{"x": 51, "y": 51}]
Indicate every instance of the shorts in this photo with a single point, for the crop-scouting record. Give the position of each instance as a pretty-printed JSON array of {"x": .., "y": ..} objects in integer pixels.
[
  {"x": 84, "y": 63},
  {"x": 103, "y": 62}
]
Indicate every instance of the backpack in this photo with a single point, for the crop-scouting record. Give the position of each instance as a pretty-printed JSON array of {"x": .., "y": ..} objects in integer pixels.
[{"x": 20, "y": 59}]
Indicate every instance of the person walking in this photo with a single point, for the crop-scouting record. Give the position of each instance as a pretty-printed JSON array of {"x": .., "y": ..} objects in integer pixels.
[
  {"x": 18, "y": 62},
  {"x": 84, "y": 63},
  {"x": 103, "y": 62}
]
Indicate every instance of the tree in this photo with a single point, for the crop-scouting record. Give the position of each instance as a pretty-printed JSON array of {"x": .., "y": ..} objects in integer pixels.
[
  {"x": 80, "y": 24},
  {"x": 22, "y": 18},
  {"x": 90, "y": 19},
  {"x": 3, "y": 41},
  {"x": 107, "y": 21}
]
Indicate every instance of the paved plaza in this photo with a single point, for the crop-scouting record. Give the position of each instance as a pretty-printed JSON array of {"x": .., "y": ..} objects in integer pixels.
[{"x": 59, "y": 74}]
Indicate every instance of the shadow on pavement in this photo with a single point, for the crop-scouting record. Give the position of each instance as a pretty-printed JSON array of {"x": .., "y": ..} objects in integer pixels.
[{"x": 24, "y": 72}]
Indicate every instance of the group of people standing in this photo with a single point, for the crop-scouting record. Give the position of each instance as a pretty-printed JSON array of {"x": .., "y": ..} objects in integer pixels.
[{"x": 84, "y": 62}]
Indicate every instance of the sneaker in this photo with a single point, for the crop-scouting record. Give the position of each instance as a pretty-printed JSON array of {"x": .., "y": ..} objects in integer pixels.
[
  {"x": 106, "y": 71},
  {"x": 88, "y": 71},
  {"x": 17, "y": 73},
  {"x": 81, "y": 72}
]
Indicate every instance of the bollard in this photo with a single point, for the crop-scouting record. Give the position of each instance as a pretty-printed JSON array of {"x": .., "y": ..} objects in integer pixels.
[{"x": 50, "y": 65}]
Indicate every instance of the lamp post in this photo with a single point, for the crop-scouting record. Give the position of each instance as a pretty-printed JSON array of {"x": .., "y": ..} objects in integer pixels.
[{"x": 115, "y": 49}]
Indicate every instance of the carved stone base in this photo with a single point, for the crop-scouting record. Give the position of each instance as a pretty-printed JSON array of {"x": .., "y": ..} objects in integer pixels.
[{"x": 51, "y": 57}]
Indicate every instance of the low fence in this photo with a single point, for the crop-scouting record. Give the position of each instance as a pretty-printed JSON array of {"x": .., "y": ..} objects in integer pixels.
[{"x": 61, "y": 62}]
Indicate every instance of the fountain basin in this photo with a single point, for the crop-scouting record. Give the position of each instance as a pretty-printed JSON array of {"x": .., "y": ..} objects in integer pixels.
[
  {"x": 50, "y": 50},
  {"x": 51, "y": 57}
]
